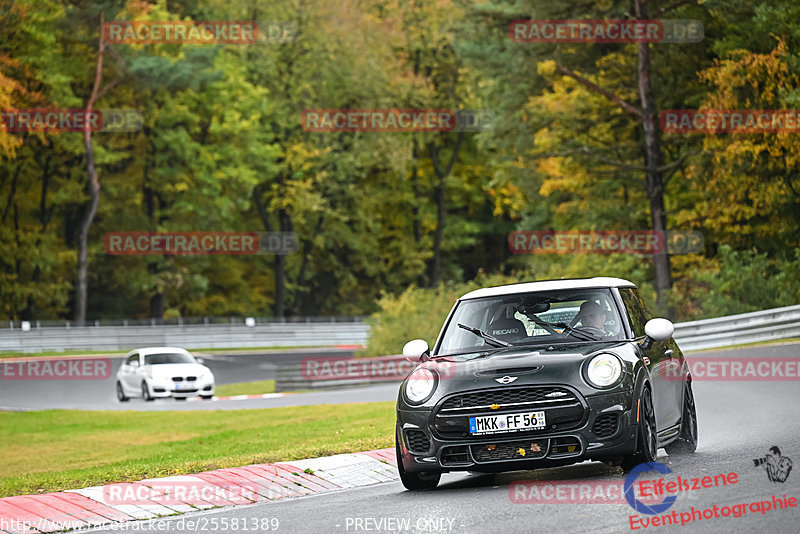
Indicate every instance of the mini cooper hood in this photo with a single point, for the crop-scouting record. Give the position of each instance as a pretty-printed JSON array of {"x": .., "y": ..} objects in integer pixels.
[
  {"x": 541, "y": 364},
  {"x": 539, "y": 353}
]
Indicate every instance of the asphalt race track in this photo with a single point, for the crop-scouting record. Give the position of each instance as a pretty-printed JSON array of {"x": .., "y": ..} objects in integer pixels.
[
  {"x": 738, "y": 421},
  {"x": 227, "y": 368}
]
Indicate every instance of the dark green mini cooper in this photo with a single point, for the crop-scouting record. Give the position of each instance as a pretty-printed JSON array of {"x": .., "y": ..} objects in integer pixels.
[{"x": 543, "y": 374}]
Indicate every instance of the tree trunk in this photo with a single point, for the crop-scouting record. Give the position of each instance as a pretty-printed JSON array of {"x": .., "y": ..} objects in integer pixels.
[
  {"x": 279, "y": 263},
  {"x": 93, "y": 185},
  {"x": 441, "y": 207},
  {"x": 655, "y": 183},
  {"x": 416, "y": 226},
  {"x": 441, "y": 214}
]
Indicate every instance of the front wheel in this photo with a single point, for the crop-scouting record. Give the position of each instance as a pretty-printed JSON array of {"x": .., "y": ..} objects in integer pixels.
[
  {"x": 121, "y": 393},
  {"x": 687, "y": 440},
  {"x": 415, "y": 481},
  {"x": 647, "y": 437},
  {"x": 146, "y": 392}
]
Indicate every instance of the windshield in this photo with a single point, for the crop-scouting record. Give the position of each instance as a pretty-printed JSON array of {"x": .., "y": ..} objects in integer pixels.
[
  {"x": 172, "y": 357},
  {"x": 531, "y": 318}
]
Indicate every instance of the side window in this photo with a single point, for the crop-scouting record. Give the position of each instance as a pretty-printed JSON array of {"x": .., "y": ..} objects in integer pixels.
[
  {"x": 132, "y": 358},
  {"x": 636, "y": 308}
]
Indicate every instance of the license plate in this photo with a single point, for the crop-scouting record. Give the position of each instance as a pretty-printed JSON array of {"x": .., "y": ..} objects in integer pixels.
[
  {"x": 512, "y": 422},
  {"x": 179, "y": 386}
]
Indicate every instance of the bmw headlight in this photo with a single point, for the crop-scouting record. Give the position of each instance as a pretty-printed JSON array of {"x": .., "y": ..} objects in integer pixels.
[
  {"x": 420, "y": 385},
  {"x": 604, "y": 370}
]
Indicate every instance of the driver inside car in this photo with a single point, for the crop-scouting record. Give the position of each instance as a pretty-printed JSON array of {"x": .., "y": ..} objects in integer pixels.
[{"x": 592, "y": 316}]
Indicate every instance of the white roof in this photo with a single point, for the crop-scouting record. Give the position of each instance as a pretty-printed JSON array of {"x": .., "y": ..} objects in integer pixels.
[
  {"x": 549, "y": 285},
  {"x": 159, "y": 350}
]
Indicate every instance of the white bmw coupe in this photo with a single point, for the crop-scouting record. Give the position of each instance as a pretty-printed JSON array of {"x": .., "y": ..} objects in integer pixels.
[{"x": 155, "y": 372}]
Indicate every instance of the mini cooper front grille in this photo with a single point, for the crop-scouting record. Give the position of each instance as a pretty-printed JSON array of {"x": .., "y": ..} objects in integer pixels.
[
  {"x": 563, "y": 447},
  {"x": 512, "y": 450},
  {"x": 455, "y": 455},
  {"x": 605, "y": 425},
  {"x": 507, "y": 397},
  {"x": 564, "y": 410},
  {"x": 417, "y": 441}
]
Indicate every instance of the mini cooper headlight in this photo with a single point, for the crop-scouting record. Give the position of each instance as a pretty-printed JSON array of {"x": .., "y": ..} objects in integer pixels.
[
  {"x": 604, "y": 370},
  {"x": 420, "y": 386}
]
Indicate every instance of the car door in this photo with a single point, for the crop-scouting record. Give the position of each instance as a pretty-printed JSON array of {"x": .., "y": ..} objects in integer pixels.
[
  {"x": 130, "y": 372},
  {"x": 660, "y": 358}
]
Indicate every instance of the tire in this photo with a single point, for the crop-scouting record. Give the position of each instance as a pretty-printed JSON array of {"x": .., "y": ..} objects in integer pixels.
[
  {"x": 687, "y": 440},
  {"x": 146, "y": 392},
  {"x": 206, "y": 397},
  {"x": 415, "y": 481},
  {"x": 179, "y": 398},
  {"x": 121, "y": 393},
  {"x": 647, "y": 436}
]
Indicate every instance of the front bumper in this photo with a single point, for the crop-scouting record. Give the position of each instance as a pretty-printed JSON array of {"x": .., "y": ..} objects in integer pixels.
[
  {"x": 606, "y": 430},
  {"x": 166, "y": 389}
]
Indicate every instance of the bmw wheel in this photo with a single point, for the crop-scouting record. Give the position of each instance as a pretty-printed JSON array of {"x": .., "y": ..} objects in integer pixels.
[
  {"x": 146, "y": 392},
  {"x": 121, "y": 393}
]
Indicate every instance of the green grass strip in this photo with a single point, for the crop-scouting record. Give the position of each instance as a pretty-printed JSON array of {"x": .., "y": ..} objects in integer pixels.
[{"x": 65, "y": 449}]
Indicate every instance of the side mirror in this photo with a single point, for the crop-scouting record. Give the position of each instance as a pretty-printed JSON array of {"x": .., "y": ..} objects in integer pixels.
[
  {"x": 198, "y": 359},
  {"x": 417, "y": 349},
  {"x": 134, "y": 364},
  {"x": 658, "y": 330}
]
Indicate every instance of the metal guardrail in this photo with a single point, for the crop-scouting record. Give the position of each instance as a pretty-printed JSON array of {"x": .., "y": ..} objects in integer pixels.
[
  {"x": 754, "y": 327},
  {"x": 300, "y": 376},
  {"x": 219, "y": 336},
  {"x": 177, "y": 321},
  {"x": 767, "y": 325}
]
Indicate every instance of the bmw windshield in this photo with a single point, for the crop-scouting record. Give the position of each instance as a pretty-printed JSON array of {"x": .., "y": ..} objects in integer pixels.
[
  {"x": 173, "y": 357},
  {"x": 531, "y": 318}
]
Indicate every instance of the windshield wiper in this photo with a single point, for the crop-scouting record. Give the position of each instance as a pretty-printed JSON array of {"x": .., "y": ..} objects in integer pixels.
[
  {"x": 488, "y": 337},
  {"x": 583, "y": 336}
]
